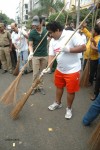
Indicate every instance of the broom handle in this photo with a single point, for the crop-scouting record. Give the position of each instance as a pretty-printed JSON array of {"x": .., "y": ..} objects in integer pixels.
[{"x": 71, "y": 37}]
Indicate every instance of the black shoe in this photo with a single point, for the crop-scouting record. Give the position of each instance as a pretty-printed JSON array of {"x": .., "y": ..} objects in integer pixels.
[
  {"x": 4, "y": 71},
  {"x": 41, "y": 91},
  {"x": 25, "y": 72},
  {"x": 34, "y": 91}
]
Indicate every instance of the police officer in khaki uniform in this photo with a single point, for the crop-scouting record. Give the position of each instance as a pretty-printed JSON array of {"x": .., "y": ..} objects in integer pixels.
[{"x": 5, "y": 48}]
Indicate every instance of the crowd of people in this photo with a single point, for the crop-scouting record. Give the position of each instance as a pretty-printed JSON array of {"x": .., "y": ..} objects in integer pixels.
[{"x": 70, "y": 57}]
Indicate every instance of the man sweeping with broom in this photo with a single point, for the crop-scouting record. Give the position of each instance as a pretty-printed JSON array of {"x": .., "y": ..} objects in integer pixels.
[
  {"x": 91, "y": 52},
  {"x": 68, "y": 64},
  {"x": 19, "y": 37},
  {"x": 39, "y": 58}
]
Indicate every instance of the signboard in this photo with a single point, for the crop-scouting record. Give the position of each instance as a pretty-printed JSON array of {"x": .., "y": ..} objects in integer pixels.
[{"x": 85, "y": 2}]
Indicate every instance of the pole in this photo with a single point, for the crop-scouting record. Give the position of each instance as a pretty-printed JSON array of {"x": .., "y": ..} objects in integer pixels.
[{"x": 78, "y": 14}]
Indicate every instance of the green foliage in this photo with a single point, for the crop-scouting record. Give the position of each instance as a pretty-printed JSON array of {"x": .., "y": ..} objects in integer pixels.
[
  {"x": 5, "y": 19},
  {"x": 83, "y": 13},
  {"x": 61, "y": 18},
  {"x": 46, "y": 6}
]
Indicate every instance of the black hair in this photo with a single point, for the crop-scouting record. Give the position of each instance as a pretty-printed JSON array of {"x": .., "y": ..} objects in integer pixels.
[
  {"x": 54, "y": 26},
  {"x": 97, "y": 29},
  {"x": 15, "y": 24},
  {"x": 69, "y": 28}
]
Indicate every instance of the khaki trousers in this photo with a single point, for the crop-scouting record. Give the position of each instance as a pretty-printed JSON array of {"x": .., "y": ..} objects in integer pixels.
[
  {"x": 39, "y": 63},
  {"x": 5, "y": 58}
]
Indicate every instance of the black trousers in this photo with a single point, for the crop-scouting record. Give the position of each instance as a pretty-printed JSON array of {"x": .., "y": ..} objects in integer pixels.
[
  {"x": 85, "y": 61},
  {"x": 13, "y": 57},
  {"x": 93, "y": 70},
  {"x": 97, "y": 83},
  {"x": 0, "y": 64}
]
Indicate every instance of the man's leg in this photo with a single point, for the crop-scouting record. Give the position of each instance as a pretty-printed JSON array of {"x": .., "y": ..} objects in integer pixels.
[
  {"x": 59, "y": 93},
  {"x": 70, "y": 99},
  {"x": 72, "y": 86},
  {"x": 36, "y": 67},
  {"x": 3, "y": 60},
  {"x": 43, "y": 64},
  {"x": 8, "y": 59},
  {"x": 25, "y": 58},
  {"x": 97, "y": 84},
  {"x": 60, "y": 84},
  {"x": 57, "y": 104},
  {"x": 93, "y": 112},
  {"x": 93, "y": 70}
]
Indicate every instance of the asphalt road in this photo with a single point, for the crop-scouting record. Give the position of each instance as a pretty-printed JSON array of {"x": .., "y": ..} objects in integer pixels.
[{"x": 37, "y": 128}]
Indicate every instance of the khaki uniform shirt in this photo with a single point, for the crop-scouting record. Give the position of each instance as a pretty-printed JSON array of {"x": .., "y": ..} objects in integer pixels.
[{"x": 4, "y": 38}]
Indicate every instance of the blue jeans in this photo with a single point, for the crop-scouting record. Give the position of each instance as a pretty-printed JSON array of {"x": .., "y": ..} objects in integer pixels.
[
  {"x": 23, "y": 59},
  {"x": 93, "y": 112}
]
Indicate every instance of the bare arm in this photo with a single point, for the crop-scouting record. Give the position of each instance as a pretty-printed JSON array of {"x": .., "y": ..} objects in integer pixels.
[
  {"x": 50, "y": 58},
  {"x": 78, "y": 49},
  {"x": 93, "y": 47},
  {"x": 31, "y": 46},
  {"x": 26, "y": 36}
]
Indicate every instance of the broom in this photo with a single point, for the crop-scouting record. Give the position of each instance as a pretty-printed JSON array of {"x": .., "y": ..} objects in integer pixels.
[
  {"x": 22, "y": 101},
  {"x": 7, "y": 98},
  {"x": 16, "y": 70},
  {"x": 84, "y": 81},
  {"x": 94, "y": 142}
]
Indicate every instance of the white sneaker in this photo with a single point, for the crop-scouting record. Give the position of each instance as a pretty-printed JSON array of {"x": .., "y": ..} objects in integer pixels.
[
  {"x": 68, "y": 114},
  {"x": 54, "y": 106}
]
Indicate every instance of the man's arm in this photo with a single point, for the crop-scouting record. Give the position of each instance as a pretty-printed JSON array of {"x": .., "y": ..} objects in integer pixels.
[
  {"x": 47, "y": 70},
  {"x": 30, "y": 50},
  {"x": 78, "y": 49},
  {"x": 50, "y": 58},
  {"x": 93, "y": 47},
  {"x": 85, "y": 30},
  {"x": 31, "y": 46},
  {"x": 25, "y": 34}
]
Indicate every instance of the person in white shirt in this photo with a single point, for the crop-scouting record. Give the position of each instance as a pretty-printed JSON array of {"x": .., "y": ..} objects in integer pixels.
[
  {"x": 67, "y": 73},
  {"x": 19, "y": 39}
]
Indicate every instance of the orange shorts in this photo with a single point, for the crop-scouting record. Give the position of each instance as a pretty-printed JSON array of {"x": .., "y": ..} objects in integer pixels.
[{"x": 71, "y": 81}]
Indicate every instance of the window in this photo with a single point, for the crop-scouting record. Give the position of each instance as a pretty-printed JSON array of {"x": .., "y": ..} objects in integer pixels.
[
  {"x": 26, "y": 5},
  {"x": 26, "y": 11},
  {"x": 26, "y": 17}
]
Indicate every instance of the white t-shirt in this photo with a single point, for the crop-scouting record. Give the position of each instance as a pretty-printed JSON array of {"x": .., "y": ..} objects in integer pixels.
[
  {"x": 20, "y": 40},
  {"x": 66, "y": 62},
  {"x": 85, "y": 41}
]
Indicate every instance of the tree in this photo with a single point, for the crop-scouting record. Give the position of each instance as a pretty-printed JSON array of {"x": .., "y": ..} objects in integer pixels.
[
  {"x": 46, "y": 7},
  {"x": 5, "y": 19},
  {"x": 60, "y": 19}
]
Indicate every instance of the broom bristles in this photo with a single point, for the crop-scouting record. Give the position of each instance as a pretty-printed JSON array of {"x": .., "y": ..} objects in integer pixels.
[
  {"x": 94, "y": 142},
  {"x": 84, "y": 81},
  {"x": 9, "y": 95},
  {"x": 15, "y": 112}
]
